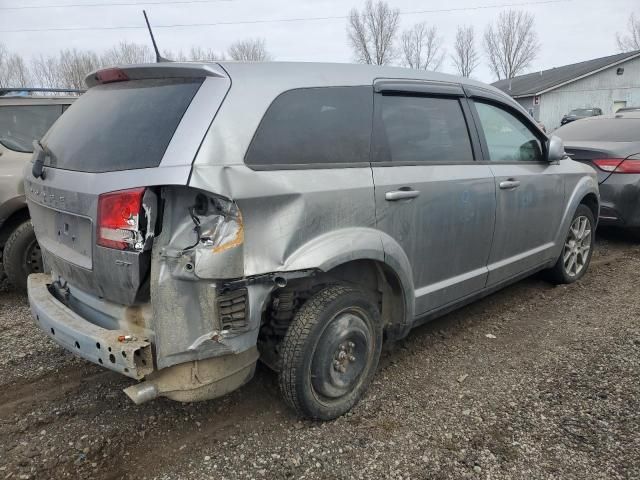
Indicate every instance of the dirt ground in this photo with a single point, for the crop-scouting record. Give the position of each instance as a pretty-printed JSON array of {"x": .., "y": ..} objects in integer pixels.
[{"x": 556, "y": 394}]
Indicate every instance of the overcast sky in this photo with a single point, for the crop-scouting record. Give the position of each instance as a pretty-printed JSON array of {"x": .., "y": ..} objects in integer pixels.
[{"x": 569, "y": 31}]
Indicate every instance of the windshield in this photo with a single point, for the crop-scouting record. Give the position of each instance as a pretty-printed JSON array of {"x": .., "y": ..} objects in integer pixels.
[
  {"x": 120, "y": 126},
  {"x": 20, "y": 125},
  {"x": 601, "y": 130},
  {"x": 581, "y": 112}
]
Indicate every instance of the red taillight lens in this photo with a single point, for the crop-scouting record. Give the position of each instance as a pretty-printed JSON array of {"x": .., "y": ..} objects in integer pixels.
[
  {"x": 608, "y": 164},
  {"x": 119, "y": 219},
  {"x": 629, "y": 166},
  {"x": 110, "y": 75},
  {"x": 618, "y": 165}
]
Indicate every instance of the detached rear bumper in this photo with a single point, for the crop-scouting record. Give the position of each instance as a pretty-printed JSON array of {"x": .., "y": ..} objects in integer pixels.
[{"x": 128, "y": 355}]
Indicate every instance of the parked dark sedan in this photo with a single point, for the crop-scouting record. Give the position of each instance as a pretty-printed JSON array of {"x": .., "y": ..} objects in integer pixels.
[
  {"x": 579, "y": 113},
  {"x": 611, "y": 144}
]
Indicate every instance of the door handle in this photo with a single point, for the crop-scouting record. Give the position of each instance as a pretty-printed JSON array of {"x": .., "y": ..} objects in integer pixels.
[
  {"x": 404, "y": 193},
  {"x": 509, "y": 184}
]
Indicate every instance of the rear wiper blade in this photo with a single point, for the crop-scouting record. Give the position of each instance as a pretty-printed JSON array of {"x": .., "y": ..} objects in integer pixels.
[{"x": 41, "y": 153}]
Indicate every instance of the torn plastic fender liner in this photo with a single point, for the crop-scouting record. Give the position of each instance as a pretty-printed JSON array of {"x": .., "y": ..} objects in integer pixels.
[{"x": 279, "y": 279}]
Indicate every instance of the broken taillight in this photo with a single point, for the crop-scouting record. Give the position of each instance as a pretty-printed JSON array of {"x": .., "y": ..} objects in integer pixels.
[{"x": 119, "y": 220}]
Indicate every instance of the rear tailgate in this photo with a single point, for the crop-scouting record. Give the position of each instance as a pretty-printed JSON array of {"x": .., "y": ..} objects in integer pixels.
[{"x": 141, "y": 132}]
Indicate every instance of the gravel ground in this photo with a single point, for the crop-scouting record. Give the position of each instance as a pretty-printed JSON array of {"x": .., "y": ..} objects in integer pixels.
[{"x": 535, "y": 381}]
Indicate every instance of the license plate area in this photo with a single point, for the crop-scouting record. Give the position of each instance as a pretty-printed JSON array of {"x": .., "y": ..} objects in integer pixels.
[
  {"x": 72, "y": 230},
  {"x": 66, "y": 235}
]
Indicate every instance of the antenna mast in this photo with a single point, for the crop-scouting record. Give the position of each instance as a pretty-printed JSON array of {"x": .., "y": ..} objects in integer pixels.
[{"x": 159, "y": 57}]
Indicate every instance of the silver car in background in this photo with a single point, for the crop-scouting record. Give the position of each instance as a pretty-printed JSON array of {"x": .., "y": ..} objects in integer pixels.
[
  {"x": 25, "y": 116},
  {"x": 194, "y": 217}
]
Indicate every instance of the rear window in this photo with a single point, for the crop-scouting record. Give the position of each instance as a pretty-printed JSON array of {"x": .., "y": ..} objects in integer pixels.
[
  {"x": 20, "y": 125},
  {"x": 601, "y": 130},
  {"x": 326, "y": 125},
  {"x": 120, "y": 126}
]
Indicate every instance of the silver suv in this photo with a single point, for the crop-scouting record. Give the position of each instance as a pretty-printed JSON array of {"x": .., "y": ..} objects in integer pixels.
[
  {"x": 195, "y": 217},
  {"x": 25, "y": 116}
]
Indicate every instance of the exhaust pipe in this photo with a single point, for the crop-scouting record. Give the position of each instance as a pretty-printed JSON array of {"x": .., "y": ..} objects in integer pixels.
[{"x": 142, "y": 392}]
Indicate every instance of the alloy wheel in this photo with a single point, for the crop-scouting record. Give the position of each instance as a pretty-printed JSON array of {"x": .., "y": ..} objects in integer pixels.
[{"x": 577, "y": 246}]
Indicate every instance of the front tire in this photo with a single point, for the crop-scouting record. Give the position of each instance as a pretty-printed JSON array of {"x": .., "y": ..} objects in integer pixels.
[
  {"x": 330, "y": 352},
  {"x": 21, "y": 255},
  {"x": 577, "y": 250}
]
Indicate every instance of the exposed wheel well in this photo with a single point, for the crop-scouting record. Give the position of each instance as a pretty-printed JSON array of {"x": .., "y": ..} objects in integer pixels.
[
  {"x": 371, "y": 276},
  {"x": 10, "y": 224},
  {"x": 591, "y": 201}
]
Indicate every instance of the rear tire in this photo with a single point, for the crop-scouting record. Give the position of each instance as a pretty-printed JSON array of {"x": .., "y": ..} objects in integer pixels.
[
  {"x": 577, "y": 250},
  {"x": 21, "y": 255},
  {"x": 330, "y": 352}
]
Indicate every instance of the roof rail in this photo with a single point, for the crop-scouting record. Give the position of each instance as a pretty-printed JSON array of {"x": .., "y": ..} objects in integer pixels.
[{"x": 7, "y": 91}]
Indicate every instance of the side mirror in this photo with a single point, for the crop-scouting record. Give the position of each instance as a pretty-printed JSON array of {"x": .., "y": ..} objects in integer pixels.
[{"x": 555, "y": 149}]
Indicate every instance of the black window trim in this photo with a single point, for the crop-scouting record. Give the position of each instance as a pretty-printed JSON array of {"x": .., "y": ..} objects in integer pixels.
[
  {"x": 494, "y": 102},
  {"x": 428, "y": 90},
  {"x": 307, "y": 166}
]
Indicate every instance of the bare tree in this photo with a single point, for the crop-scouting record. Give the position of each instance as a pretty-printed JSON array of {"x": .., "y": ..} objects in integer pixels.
[
  {"x": 45, "y": 71},
  {"x": 465, "y": 56},
  {"x": 199, "y": 54},
  {"x": 195, "y": 54},
  {"x": 127, "y": 53},
  {"x": 14, "y": 72},
  {"x": 422, "y": 48},
  {"x": 511, "y": 43},
  {"x": 631, "y": 40},
  {"x": 74, "y": 65},
  {"x": 250, "y": 50},
  {"x": 175, "y": 55},
  {"x": 372, "y": 33}
]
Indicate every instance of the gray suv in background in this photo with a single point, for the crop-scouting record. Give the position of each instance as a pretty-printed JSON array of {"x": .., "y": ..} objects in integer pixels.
[
  {"x": 195, "y": 217},
  {"x": 25, "y": 116}
]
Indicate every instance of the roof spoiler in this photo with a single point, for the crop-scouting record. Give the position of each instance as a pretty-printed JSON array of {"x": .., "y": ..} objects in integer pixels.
[{"x": 156, "y": 70}]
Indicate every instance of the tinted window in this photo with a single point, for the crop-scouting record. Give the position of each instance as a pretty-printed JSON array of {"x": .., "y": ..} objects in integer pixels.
[
  {"x": 120, "y": 126},
  {"x": 508, "y": 138},
  {"x": 22, "y": 124},
  {"x": 315, "y": 126},
  {"x": 421, "y": 129},
  {"x": 601, "y": 130}
]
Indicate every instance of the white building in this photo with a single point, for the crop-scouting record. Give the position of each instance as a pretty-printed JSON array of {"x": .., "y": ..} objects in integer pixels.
[{"x": 608, "y": 83}]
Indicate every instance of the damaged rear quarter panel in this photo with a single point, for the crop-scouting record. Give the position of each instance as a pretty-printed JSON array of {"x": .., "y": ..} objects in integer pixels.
[{"x": 282, "y": 214}]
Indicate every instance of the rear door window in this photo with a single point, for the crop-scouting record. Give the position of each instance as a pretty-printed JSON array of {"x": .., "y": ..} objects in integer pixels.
[
  {"x": 120, "y": 126},
  {"x": 20, "y": 125},
  {"x": 314, "y": 126},
  {"x": 415, "y": 129},
  {"x": 508, "y": 138}
]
